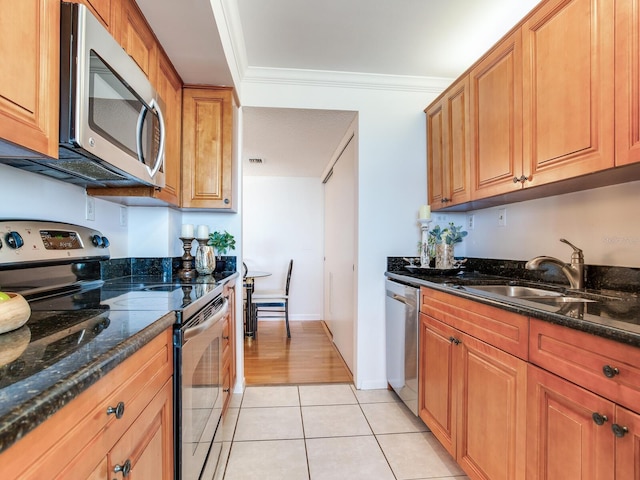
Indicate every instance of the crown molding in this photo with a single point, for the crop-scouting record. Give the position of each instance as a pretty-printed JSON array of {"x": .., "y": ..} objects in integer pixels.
[{"x": 324, "y": 78}]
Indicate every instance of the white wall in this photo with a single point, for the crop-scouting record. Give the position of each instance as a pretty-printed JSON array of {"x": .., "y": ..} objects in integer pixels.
[
  {"x": 282, "y": 220},
  {"x": 602, "y": 222},
  {"x": 392, "y": 186}
]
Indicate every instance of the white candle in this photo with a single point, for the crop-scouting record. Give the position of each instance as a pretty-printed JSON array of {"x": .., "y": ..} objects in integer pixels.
[
  {"x": 425, "y": 212},
  {"x": 203, "y": 231},
  {"x": 187, "y": 230}
]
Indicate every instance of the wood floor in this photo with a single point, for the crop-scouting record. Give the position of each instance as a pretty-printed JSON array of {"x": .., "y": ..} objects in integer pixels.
[{"x": 309, "y": 356}]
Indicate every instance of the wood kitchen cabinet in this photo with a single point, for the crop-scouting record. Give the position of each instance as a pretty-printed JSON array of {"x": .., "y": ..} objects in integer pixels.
[
  {"x": 29, "y": 77},
  {"x": 568, "y": 90},
  {"x": 589, "y": 385},
  {"x": 136, "y": 37},
  {"x": 448, "y": 147},
  {"x": 106, "y": 11},
  {"x": 627, "y": 81},
  {"x": 207, "y": 148},
  {"x": 496, "y": 117},
  {"x": 87, "y": 440},
  {"x": 471, "y": 390}
]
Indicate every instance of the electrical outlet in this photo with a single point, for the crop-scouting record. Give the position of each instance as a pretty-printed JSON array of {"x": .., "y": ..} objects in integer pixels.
[
  {"x": 90, "y": 208},
  {"x": 441, "y": 218},
  {"x": 124, "y": 214},
  {"x": 502, "y": 217},
  {"x": 470, "y": 222}
]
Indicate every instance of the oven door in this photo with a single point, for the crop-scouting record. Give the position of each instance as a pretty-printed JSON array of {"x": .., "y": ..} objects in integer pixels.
[{"x": 198, "y": 391}]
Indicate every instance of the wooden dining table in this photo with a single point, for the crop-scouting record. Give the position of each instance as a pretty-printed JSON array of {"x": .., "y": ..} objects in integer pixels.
[{"x": 250, "y": 322}]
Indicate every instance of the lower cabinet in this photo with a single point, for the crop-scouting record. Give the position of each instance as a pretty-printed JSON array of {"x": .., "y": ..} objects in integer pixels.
[
  {"x": 229, "y": 346},
  {"x": 122, "y": 426},
  {"x": 473, "y": 398}
]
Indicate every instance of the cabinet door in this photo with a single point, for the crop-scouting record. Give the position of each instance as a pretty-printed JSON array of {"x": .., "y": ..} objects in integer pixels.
[
  {"x": 627, "y": 73},
  {"x": 207, "y": 148},
  {"x": 435, "y": 155},
  {"x": 436, "y": 389},
  {"x": 563, "y": 440},
  {"x": 628, "y": 446},
  {"x": 29, "y": 76},
  {"x": 448, "y": 146},
  {"x": 103, "y": 10},
  {"x": 568, "y": 90},
  {"x": 136, "y": 37},
  {"x": 169, "y": 86},
  {"x": 491, "y": 439},
  {"x": 146, "y": 449},
  {"x": 496, "y": 117}
]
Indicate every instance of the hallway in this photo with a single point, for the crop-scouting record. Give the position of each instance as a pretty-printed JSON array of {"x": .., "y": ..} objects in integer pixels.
[{"x": 308, "y": 356}]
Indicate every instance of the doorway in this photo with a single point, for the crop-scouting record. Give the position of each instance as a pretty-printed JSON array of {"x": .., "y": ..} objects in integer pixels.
[{"x": 285, "y": 153}]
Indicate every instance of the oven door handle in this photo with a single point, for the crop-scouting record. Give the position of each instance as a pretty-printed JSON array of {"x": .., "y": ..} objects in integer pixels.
[{"x": 208, "y": 323}]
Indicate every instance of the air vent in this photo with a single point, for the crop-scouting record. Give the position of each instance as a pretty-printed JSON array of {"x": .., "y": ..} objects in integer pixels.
[{"x": 256, "y": 161}]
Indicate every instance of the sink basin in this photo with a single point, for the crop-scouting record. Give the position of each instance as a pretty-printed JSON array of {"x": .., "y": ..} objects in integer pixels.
[
  {"x": 530, "y": 293},
  {"x": 516, "y": 291}
]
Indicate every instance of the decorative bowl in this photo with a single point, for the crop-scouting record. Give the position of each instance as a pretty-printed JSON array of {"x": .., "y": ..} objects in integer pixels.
[{"x": 14, "y": 312}]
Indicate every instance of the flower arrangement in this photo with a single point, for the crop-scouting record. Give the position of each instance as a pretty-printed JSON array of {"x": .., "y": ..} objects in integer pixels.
[{"x": 449, "y": 235}]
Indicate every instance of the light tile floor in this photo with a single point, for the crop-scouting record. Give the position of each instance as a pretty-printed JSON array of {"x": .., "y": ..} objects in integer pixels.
[{"x": 329, "y": 432}]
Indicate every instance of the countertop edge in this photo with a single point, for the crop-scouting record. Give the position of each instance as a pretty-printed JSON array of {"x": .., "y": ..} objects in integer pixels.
[
  {"x": 28, "y": 415},
  {"x": 605, "y": 328}
]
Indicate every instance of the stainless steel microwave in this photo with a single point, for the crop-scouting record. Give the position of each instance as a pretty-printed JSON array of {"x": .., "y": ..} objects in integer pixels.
[{"x": 111, "y": 123}]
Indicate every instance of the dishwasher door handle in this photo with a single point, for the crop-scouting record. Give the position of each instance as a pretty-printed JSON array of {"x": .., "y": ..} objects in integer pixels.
[{"x": 397, "y": 297}]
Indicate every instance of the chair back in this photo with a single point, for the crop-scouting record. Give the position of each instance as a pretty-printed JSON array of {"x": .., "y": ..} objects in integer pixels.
[
  {"x": 286, "y": 288},
  {"x": 244, "y": 270}
]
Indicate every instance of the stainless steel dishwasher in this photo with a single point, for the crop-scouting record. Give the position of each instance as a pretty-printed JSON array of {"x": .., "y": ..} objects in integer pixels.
[{"x": 401, "y": 315}]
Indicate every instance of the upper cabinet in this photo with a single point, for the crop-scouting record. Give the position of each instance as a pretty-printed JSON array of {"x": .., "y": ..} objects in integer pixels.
[
  {"x": 29, "y": 77},
  {"x": 448, "y": 147},
  {"x": 496, "y": 113},
  {"x": 207, "y": 148},
  {"x": 555, "y": 101},
  {"x": 568, "y": 94},
  {"x": 105, "y": 10},
  {"x": 627, "y": 72},
  {"x": 136, "y": 37}
]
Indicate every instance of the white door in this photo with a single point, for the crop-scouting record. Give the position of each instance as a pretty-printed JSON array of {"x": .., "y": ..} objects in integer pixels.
[{"x": 339, "y": 241}]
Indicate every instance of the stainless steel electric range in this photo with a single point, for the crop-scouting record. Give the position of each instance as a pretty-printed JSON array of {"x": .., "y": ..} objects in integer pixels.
[{"x": 78, "y": 317}]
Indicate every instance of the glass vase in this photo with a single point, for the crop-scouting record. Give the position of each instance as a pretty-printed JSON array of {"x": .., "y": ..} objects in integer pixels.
[
  {"x": 444, "y": 256},
  {"x": 205, "y": 259}
]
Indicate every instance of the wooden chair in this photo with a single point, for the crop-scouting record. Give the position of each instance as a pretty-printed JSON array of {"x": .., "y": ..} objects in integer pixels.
[{"x": 273, "y": 303}]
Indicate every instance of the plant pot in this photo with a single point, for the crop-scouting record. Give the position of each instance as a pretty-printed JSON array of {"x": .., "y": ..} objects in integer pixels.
[{"x": 221, "y": 265}]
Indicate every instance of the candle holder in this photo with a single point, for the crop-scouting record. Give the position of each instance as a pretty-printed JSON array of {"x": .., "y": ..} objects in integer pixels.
[
  {"x": 424, "y": 242},
  {"x": 187, "y": 272},
  {"x": 205, "y": 258}
]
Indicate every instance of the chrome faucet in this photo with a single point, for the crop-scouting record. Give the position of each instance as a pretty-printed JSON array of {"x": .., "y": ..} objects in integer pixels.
[{"x": 574, "y": 271}]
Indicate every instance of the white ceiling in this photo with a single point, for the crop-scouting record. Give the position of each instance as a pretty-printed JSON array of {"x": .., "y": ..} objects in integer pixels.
[{"x": 417, "y": 39}]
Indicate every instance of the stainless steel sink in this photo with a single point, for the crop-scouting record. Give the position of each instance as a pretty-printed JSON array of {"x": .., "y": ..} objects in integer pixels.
[
  {"x": 515, "y": 291},
  {"x": 529, "y": 293}
]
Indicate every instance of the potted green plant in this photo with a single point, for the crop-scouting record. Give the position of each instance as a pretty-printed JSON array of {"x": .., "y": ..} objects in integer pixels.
[
  {"x": 444, "y": 240},
  {"x": 221, "y": 242}
]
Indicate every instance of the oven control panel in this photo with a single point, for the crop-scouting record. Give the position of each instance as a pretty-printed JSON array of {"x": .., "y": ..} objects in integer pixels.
[{"x": 32, "y": 241}]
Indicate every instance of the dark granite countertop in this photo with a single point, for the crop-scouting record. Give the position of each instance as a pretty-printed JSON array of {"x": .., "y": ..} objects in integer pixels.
[
  {"x": 59, "y": 353},
  {"x": 615, "y": 316}
]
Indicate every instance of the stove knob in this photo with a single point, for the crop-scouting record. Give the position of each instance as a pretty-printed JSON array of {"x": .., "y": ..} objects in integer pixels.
[
  {"x": 105, "y": 242},
  {"x": 14, "y": 240},
  {"x": 96, "y": 240}
]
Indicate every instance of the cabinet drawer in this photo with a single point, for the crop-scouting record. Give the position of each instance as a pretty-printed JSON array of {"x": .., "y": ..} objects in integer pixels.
[
  {"x": 80, "y": 434},
  {"x": 505, "y": 330},
  {"x": 586, "y": 360}
]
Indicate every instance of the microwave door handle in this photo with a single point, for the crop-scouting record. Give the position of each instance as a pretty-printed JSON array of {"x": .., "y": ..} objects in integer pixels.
[{"x": 159, "y": 159}]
